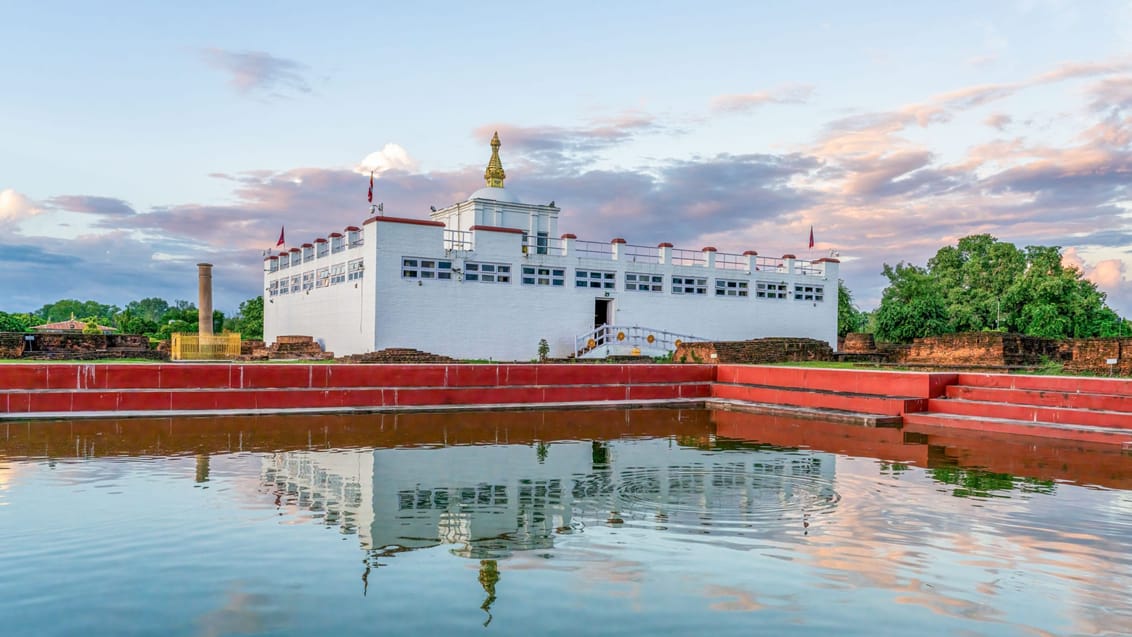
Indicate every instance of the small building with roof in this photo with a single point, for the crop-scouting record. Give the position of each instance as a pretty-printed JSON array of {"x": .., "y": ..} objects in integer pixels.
[
  {"x": 70, "y": 326},
  {"x": 489, "y": 277}
]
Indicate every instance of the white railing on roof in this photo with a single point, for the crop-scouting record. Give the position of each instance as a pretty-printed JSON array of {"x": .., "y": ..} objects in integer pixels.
[
  {"x": 729, "y": 261},
  {"x": 769, "y": 264},
  {"x": 638, "y": 254},
  {"x": 594, "y": 250},
  {"x": 457, "y": 240},
  {"x": 688, "y": 257},
  {"x": 544, "y": 245}
]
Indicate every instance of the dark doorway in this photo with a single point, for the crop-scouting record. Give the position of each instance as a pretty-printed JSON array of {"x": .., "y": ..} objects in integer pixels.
[{"x": 602, "y": 312}]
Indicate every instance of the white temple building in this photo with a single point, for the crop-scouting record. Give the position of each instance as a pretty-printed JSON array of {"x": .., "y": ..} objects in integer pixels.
[{"x": 489, "y": 277}]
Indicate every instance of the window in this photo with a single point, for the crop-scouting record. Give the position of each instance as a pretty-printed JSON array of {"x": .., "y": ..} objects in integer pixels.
[
  {"x": 533, "y": 275},
  {"x": 284, "y": 261},
  {"x": 283, "y": 287},
  {"x": 308, "y": 254},
  {"x": 729, "y": 287},
  {"x": 354, "y": 270},
  {"x": 766, "y": 290},
  {"x": 487, "y": 272},
  {"x": 594, "y": 279},
  {"x": 308, "y": 281},
  {"x": 273, "y": 288},
  {"x": 808, "y": 293},
  {"x": 417, "y": 268},
  {"x": 337, "y": 244},
  {"x": 542, "y": 240},
  {"x": 337, "y": 273},
  {"x": 295, "y": 284},
  {"x": 323, "y": 249},
  {"x": 644, "y": 282},
  {"x": 322, "y": 277},
  {"x": 689, "y": 285},
  {"x": 272, "y": 265},
  {"x": 354, "y": 238}
]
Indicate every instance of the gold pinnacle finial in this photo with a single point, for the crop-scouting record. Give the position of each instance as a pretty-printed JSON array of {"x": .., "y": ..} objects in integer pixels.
[{"x": 494, "y": 174}]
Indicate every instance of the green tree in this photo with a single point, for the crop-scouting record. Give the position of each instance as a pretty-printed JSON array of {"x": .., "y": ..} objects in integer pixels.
[
  {"x": 151, "y": 308},
  {"x": 974, "y": 275},
  {"x": 849, "y": 318},
  {"x": 912, "y": 305},
  {"x": 64, "y": 309},
  {"x": 90, "y": 325},
  {"x": 249, "y": 319},
  {"x": 16, "y": 322},
  {"x": 982, "y": 283}
]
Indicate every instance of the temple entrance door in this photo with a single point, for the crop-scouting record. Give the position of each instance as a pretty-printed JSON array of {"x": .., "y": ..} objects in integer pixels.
[{"x": 603, "y": 312}]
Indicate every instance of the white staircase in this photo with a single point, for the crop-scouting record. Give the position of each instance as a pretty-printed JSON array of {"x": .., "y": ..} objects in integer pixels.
[{"x": 617, "y": 340}]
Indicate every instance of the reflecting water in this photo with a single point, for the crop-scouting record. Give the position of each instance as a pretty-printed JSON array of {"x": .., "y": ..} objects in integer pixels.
[{"x": 602, "y": 522}]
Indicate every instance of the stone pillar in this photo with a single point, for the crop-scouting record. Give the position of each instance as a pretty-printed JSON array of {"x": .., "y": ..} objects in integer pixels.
[{"x": 204, "y": 296}]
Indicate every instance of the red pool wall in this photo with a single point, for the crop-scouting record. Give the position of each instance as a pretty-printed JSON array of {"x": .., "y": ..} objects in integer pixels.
[{"x": 62, "y": 388}]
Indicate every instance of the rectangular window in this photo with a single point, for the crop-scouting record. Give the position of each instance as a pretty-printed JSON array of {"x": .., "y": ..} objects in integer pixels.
[
  {"x": 534, "y": 275},
  {"x": 273, "y": 288},
  {"x": 322, "y": 277},
  {"x": 284, "y": 261},
  {"x": 354, "y": 238},
  {"x": 768, "y": 290},
  {"x": 322, "y": 249},
  {"x": 308, "y": 254},
  {"x": 599, "y": 279},
  {"x": 354, "y": 270},
  {"x": 338, "y": 273},
  {"x": 283, "y": 287},
  {"x": 689, "y": 285},
  {"x": 308, "y": 281},
  {"x": 730, "y": 287},
  {"x": 418, "y": 268},
  {"x": 542, "y": 240},
  {"x": 337, "y": 244},
  {"x": 295, "y": 284},
  {"x": 487, "y": 272},
  {"x": 642, "y": 282},
  {"x": 808, "y": 293},
  {"x": 273, "y": 265}
]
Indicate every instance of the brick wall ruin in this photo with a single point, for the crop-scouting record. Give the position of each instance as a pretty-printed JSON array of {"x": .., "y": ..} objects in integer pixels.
[{"x": 759, "y": 350}]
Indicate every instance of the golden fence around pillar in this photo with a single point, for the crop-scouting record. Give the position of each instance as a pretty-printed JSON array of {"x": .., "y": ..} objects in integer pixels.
[{"x": 194, "y": 347}]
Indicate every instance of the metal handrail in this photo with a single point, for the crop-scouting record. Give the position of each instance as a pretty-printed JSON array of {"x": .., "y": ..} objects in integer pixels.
[{"x": 635, "y": 335}]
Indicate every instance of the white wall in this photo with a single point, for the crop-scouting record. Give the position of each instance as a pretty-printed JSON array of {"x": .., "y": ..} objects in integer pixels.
[{"x": 467, "y": 319}]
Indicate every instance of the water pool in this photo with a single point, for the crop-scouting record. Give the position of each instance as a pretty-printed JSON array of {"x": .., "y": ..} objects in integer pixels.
[{"x": 639, "y": 522}]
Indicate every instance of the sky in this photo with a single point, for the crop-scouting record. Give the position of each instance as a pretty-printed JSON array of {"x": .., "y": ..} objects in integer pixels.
[{"x": 138, "y": 139}]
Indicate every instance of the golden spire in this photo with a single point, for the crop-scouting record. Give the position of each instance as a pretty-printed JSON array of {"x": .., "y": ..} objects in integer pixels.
[{"x": 494, "y": 174}]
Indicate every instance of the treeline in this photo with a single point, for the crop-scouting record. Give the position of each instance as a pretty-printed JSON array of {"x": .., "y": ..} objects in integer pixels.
[
  {"x": 984, "y": 284},
  {"x": 154, "y": 317}
]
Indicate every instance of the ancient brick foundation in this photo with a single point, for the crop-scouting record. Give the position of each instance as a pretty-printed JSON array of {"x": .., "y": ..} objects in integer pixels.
[
  {"x": 1091, "y": 356},
  {"x": 978, "y": 349},
  {"x": 288, "y": 347},
  {"x": 76, "y": 346},
  {"x": 759, "y": 350},
  {"x": 396, "y": 355},
  {"x": 858, "y": 343},
  {"x": 11, "y": 344}
]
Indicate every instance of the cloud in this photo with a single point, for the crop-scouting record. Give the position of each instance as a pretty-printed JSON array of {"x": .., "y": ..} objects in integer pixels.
[
  {"x": 107, "y": 206},
  {"x": 390, "y": 157},
  {"x": 998, "y": 121},
  {"x": 566, "y": 147},
  {"x": 741, "y": 103},
  {"x": 15, "y": 207},
  {"x": 258, "y": 72}
]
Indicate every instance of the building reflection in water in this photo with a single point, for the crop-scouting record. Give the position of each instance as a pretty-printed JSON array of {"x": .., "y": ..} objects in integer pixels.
[{"x": 487, "y": 501}]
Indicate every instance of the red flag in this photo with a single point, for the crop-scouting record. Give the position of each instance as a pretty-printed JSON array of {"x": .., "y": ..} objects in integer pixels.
[
  {"x": 370, "y": 195},
  {"x": 280, "y": 241},
  {"x": 811, "y": 236}
]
